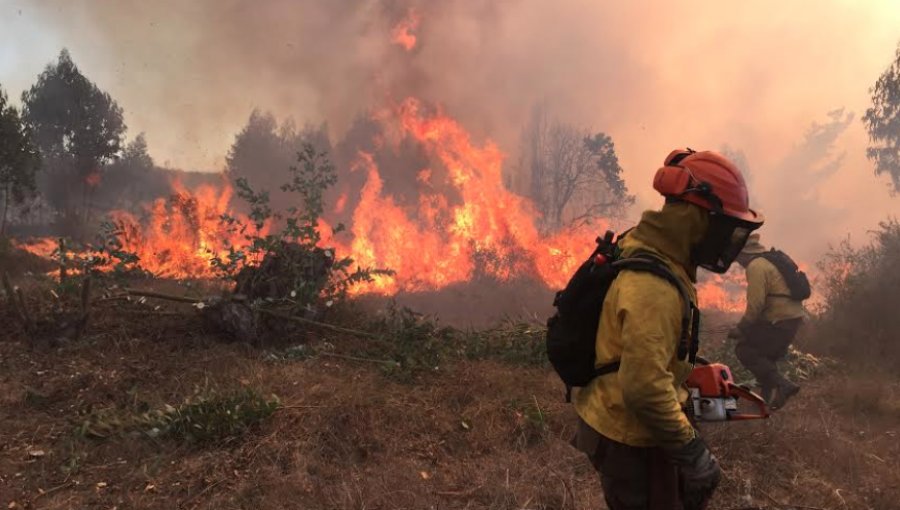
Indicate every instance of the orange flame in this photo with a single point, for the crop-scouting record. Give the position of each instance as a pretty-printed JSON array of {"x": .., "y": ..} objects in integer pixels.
[
  {"x": 180, "y": 238},
  {"x": 464, "y": 224},
  {"x": 726, "y": 292},
  {"x": 340, "y": 204},
  {"x": 402, "y": 33},
  {"x": 43, "y": 247},
  {"x": 92, "y": 179},
  {"x": 184, "y": 232},
  {"x": 491, "y": 232}
]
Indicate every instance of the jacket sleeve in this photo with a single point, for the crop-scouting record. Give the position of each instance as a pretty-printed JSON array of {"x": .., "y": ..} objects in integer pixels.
[
  {"x": 650, "y": 315},
  {"x": 757, "y": 291}
]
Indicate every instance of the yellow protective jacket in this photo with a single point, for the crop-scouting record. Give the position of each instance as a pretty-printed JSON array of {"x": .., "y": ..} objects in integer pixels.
[
  {"x": 640, "y": 326},
  {"x": 767, "y": 295}
]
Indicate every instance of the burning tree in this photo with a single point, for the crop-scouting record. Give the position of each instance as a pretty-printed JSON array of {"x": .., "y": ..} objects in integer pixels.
[
  {"x": 77, "y": 127},
  {"x": 19, "y": 160},
  {"x": 882, "y": 122},
  {"x": 574, "y": 176}
]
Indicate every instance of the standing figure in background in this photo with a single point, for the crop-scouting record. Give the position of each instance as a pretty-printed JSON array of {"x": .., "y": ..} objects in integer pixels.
[{"x": 776, "y": 289}]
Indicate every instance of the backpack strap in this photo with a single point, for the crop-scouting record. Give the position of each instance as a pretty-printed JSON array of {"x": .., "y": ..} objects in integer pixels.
[
  {"x": 601, "y": 370},
  {"x": 689, "y": 341}
]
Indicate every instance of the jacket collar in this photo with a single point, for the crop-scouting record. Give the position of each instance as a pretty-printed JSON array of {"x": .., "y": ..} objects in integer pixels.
[{"x": 670, "y": 234}]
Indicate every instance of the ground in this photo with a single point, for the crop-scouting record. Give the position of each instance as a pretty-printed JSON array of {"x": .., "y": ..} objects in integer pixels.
[{"x": 469, "y": 433}]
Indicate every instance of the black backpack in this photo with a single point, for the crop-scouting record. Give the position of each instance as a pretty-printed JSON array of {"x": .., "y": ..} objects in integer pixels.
[
  {"x": 796, "y": 280},
  {"x": 572, "y": 330}
]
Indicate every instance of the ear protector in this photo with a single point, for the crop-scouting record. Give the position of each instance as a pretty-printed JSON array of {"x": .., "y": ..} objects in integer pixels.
[{"x": 674, "y": 180}]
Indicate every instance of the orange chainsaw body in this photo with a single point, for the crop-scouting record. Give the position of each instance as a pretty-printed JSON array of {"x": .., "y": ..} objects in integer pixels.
[{"x": 714, "y": 395}]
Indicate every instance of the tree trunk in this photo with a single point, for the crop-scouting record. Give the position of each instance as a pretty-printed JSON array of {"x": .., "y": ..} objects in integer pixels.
[
  {"x": 5, "y": 210},
  {"x": 558, "y": 216},
  {"x": 84, "y": 187}
]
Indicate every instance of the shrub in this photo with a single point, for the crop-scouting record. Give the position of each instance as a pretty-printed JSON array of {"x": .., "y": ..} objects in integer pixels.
[
  {"x": 511, "y": 342},
  {"x": 414, "y": 342},
  {"x": 858, "y": 320},
  {"x": 289, "y": 269},
  {"x": 205, "y": 417}
]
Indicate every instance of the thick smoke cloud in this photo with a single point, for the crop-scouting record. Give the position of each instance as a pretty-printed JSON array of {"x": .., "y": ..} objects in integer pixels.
[{"x": 753, "y": 76}]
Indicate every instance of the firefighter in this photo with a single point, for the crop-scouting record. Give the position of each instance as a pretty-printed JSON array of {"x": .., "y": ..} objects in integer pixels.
[
  {"x": 769, "y": 324},
  {"x": 631, "y": 423}
]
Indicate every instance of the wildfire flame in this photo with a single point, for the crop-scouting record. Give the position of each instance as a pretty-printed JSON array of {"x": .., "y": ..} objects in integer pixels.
[
  {"x": 725, "y": 292},
  {"x": 179, "y": 239},
  {"x": 465, "y": 223},
  {"x": 402, "y": 33},
  {"x": 93, "y": 179},
  {"x": 184, "y": 232},
  {"x": 43, "y": 247},
  {"x": 491, "y": 232}
]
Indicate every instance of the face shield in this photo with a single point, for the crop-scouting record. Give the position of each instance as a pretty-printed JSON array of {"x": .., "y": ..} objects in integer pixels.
[{"x": 724, "y": 240}]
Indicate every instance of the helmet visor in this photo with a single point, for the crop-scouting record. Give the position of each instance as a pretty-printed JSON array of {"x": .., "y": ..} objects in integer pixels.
[{"x": 724, "y": 241}]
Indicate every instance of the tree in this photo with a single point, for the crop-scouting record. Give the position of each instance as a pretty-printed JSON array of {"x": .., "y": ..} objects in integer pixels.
[
  {"x": 77, "y": 127},
  {"x": 882, "y": 122},
  {"x": 136, "y": 155},
  {"x": 574, "y": 175},
  {"x": 263, "y": 152},
  {"x": 133, "y": 178},
  {"x": 19, "y": 159},
  {"x": 606, "y": 193}
]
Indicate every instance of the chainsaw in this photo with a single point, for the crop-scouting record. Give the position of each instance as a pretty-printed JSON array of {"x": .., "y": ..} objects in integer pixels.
[{"x": 714, "y": 395}]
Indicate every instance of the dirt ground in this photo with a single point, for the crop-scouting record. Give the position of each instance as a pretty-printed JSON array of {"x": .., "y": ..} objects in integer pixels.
[{"x": 472, "y": 434}]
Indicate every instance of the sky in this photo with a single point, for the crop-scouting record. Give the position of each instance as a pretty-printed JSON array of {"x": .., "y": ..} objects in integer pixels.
[{"x": 784, "y": 82}]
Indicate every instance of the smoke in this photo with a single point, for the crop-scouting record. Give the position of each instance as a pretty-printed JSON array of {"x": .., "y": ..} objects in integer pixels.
[
  {"x": 653, "y": 75},
  {"x": 795, "y": 198}
]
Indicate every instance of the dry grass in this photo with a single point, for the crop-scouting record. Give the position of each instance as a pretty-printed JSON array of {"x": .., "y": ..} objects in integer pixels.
[{"x": 475, "y": 434}]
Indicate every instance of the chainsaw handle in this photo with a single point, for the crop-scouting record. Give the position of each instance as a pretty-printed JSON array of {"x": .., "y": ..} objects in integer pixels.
[{"x": 744, "y": 393}]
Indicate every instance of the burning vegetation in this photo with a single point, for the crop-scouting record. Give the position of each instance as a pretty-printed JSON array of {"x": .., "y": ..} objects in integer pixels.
[
  {"x": 462, "y": 222},
  {"x": 403, "y": 33},
  {"x": 239, "y": 339}
]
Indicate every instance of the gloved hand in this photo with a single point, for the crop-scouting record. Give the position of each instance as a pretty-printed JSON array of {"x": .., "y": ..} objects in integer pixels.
[
  {"x": 735, "y": 334},
  {"x": 700, "y": 473}
]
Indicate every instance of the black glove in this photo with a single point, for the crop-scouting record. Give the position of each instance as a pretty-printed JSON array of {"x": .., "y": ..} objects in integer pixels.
[{"x": 700, "y": 473}]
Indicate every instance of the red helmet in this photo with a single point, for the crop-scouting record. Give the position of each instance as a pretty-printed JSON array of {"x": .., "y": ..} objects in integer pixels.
[{"x": 708, "y": 180}]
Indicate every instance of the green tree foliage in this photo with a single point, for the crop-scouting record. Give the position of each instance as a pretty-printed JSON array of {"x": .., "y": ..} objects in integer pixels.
[
  {"x": 606, "y": 163},
  {"x": 136, "y": 155},
  {"x": 133, "y": 179},
  {"x": 882, "y": 122},
  {"x": 77, "y": 127},
  {"x": 19, "y": 160},
  {"x": 263, "y": 152}
]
